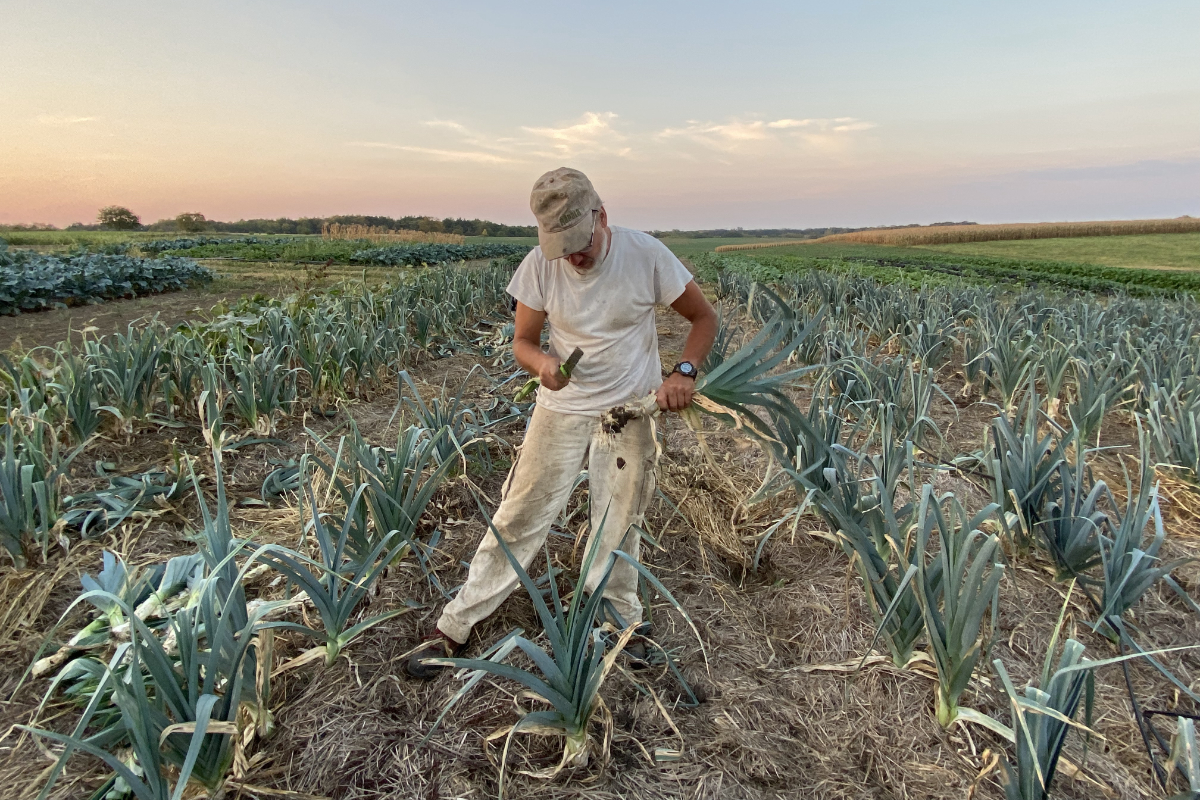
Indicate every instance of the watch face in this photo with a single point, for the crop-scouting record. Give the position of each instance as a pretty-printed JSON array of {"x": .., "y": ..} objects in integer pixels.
[{"x": 687, "y": 369}]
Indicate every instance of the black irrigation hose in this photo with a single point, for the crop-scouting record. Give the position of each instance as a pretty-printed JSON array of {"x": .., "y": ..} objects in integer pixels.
[
  {"x": 1159, "y": 771},
  {"x": 1148, "y": 712},
  {"x": 1139, "y": 716}
]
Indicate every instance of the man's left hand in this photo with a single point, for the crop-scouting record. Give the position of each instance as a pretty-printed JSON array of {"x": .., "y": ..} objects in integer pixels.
[{"x": 676, "y": 392}]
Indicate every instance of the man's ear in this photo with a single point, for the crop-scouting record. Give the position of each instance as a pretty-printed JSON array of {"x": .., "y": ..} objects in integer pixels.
[{"x": 603, "y": 217}]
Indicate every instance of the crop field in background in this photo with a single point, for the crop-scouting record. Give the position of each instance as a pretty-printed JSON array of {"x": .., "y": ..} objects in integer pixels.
[
  {"x": 951, "y": 234},
  {"x": 1151, "y": 251},
  {"x": 379, "y": 235},
  {"x": 75, "y": 239},
  {"x": 915, "y": 266},
  {"x": 212, "y": 458}
]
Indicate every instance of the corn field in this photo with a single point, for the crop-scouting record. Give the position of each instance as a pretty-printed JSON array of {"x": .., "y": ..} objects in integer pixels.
[
  {"x": 953, "y": 234},
  {"x": 379, "y": 235},
  {"x": 852, "y": 391}
]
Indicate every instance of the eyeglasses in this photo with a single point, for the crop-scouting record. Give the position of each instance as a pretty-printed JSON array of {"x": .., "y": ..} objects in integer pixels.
[{"x": 591, "y": 239}]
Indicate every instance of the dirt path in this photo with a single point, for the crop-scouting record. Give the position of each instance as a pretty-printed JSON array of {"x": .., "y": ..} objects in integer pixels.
[{"x": 50, "y": 327}]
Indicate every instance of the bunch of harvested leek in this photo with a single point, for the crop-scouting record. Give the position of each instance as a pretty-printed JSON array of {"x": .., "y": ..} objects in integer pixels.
[{"x": 728, "y": 390}]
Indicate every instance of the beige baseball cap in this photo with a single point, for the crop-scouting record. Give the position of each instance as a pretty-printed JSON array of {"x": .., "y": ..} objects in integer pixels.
[{"x": 562, "y": 201}]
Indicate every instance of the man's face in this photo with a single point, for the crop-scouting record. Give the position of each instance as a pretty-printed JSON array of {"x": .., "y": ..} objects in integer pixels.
[{"x": 586, "y": 259}]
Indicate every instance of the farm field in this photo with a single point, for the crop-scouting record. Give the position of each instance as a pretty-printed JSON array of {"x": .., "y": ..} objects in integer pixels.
[
  {"x": 967, "y": 386},
  {"x": 916, "y": 265},
  {"x": 950, "y": 233},
  {"x": 681, "y": 246},
  {"x": 684, "y": 247},
  {"x": 1154, "y": 251},
  {"x": 233, "y": 280}
]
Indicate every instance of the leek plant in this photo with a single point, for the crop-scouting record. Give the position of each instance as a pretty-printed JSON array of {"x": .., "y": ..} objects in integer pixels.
[
  {"x": 1130, "y": 561},
  {"x": 262, "y": 388},
  {"x": 1054, "y": 363},
  {"x": 182, "y": 359},
  {"x": 1023, "y": 465},
  {"x": 284, "y": 478},
  {"x": 1098, "y": 390},
  {"x": 974, "y": 361},
  {"x": 396, "y": 486},
  {"x": 178, "y": 710},
  {"x": 930, "y": 344},
  {"x": 178, "y": 702},
  {"x": 344, "y": 579},
  {"x": 76, "y": 385},
  {"x": 127, "y": 366},
  {"x": 1175, "y": 432},
  {"x": 880, "y": 538},
  {"x": 955, "y": 592},
  {"x": 1009, "y": 363},
  {"x": 152, "y": 593},
  {"x": 31, "y": 474},
  {"x": 314, "y": 351},
  {"x": 726, "y": 333},
  {"x": 1043, "y": 715},
  {"x": 465, "y": 432},
  {"x": 27, "y": 382},
  {"x": 98, "y": 512},
  {"x": 1074, "y": 520},
  {"x": 805, "y": 446},
  {"x": 914, "y": 401},
  {"x": 570, "y": 674}
]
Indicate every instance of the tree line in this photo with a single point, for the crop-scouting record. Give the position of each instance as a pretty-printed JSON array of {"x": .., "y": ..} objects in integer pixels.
[{"x": 121, "y": 218}]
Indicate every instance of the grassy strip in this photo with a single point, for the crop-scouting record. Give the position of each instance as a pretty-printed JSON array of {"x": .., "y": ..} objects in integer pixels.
[{"x": 1150, "y": 251}]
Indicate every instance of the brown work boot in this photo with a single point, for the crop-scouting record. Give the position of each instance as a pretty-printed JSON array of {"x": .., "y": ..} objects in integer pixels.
[
  {"x": 638, "y": 648},
  {"x": 434, "y": 645}
]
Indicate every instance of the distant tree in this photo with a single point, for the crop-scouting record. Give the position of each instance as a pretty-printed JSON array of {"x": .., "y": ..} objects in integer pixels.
[
  {"x": 118, "y": 218},
  {"x": 191, "y": 222}
]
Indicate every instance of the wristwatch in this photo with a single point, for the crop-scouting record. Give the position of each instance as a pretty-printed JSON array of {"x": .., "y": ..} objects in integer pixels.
[{"x": 685, "y": 368}]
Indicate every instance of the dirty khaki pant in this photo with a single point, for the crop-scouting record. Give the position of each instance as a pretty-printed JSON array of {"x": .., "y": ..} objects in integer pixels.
[{"x": 556, "y": 447}]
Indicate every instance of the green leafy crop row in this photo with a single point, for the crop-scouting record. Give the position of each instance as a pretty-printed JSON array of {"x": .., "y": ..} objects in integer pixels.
[
  {"x": 30, "y": 281},
  {"x": 259, "y": 248}
]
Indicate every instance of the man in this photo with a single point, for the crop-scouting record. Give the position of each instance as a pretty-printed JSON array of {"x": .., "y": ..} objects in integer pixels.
[{"x": 598, "y": 287}]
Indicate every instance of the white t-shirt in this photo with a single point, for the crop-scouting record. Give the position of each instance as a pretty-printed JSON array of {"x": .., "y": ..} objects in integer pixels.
[{"x": 608, "y": 312}]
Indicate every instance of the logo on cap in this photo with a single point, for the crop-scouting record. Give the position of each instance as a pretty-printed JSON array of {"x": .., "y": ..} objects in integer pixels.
[{"x": 569, "y": 216}]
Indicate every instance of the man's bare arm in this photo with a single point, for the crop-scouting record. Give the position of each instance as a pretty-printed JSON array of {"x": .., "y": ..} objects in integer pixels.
[
  {"x": 676, "y": 392},
  {"x": 527, "y": 348}
]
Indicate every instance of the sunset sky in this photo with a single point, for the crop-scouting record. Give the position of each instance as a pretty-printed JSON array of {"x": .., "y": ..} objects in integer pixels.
[{"x": 684, "y": 114}]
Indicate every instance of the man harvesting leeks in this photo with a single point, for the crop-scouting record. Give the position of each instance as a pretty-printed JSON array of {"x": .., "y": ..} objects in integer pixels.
[{"x": 597, "y": 286}]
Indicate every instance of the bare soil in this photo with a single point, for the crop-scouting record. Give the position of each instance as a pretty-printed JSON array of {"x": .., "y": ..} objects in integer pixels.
[{"x": 47, "y": 328}]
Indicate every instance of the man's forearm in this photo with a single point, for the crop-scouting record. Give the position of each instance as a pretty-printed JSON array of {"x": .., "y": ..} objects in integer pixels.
[
  {"x": 700, "y": 339},
  {"x": 529, "y": 356}
]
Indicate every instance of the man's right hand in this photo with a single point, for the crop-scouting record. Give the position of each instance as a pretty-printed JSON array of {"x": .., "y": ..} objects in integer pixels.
[{"x": 549, "y": 374}]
